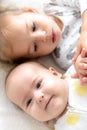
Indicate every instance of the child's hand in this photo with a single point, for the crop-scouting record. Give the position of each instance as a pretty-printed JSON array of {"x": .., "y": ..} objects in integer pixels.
[
  {"x": 81, "y": 67},
  {"x": 82, "y": 43}
]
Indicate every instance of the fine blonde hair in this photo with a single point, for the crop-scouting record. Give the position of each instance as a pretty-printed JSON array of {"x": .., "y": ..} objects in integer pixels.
[{"x": 4, "y": 32}]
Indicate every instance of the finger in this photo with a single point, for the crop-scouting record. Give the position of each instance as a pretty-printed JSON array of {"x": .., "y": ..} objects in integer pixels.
[
  {"x": 82, "y": 67},
  {"x": 78, "y": 51},
  {"x": 83, "y": 53},
  {"x": 83, "y": 72},
  {"x": 83, "y": 61},
  {"x": 83, "y": 80}
]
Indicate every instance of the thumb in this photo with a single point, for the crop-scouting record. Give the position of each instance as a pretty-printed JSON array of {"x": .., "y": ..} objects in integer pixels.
[{"x": 83, "y": 53}]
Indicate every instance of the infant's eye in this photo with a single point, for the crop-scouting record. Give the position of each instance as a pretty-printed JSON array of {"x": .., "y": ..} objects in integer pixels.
[
  {"x": 28, "y": 102},
  {"x": 38, "y": 84},
  {"x": 33, "y": 27},
  {"x": 35, "y": 47}
]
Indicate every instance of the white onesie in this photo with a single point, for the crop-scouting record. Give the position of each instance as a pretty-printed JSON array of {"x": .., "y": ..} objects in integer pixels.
[
  {"x": 69, "y": 11},
  {"x": 76, "y": 116}
]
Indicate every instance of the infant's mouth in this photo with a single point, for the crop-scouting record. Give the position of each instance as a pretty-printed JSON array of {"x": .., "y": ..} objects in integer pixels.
[
  {"x": 48, "y": 102},
  {"x": 53, "y": 37}
]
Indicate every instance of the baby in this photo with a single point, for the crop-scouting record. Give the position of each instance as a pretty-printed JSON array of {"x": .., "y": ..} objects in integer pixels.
[
  {"x": 73, "y": 13},
  {"x": 26, "y": 33},
  {"x": 43, "y": 94}
]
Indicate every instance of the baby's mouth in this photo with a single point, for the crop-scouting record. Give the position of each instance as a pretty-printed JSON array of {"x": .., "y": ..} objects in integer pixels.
[
  {"x": 53, "y": 37},
  {"x": 48, "y": 102}
]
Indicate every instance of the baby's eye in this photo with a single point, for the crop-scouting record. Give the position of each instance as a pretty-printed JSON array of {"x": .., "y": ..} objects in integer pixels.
[
  {"x": 33, "y": 27},
  {"x": 28, "y": 102},
  {"x": 35, "y": 47},
  {"x": 38, "y": 84}
]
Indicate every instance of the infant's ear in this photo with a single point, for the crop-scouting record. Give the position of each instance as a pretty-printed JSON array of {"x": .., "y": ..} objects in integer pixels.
[
  {"x": 55, "y": 72},
  {"x": 26, "y": 9}
]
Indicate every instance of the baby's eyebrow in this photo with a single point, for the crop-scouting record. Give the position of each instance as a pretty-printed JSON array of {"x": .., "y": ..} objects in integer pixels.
[
  {"x": 27, "y": 27},
  {"x": 34, "y": 80},
  {"x": 28, "y": 93}
]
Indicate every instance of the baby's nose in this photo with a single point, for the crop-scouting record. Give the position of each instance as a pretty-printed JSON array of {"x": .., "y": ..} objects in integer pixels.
[
  {"x": 40, "y": 99},
  {"x": 41, "y": 36}
]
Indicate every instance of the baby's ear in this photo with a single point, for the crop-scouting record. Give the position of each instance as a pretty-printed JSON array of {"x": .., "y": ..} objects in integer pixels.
[
  {"x": 55, "y": 72},
  {"x": 26, "y": 9}
]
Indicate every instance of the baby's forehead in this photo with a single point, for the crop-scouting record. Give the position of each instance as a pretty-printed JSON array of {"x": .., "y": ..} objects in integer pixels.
[
  {"x": 14, "y": 76},
  {"x": 26, "y": 67}
]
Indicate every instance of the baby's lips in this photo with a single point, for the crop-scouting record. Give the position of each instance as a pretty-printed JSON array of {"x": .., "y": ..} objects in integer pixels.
[
  {"x": 53, "y": 37},
  {"x": 48, "y": 102}
]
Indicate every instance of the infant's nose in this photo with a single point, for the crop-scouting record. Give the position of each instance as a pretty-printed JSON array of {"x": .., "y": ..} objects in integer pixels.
[
  {"x": 41, "y": 36},
  {"x": 40, "y": 100}
]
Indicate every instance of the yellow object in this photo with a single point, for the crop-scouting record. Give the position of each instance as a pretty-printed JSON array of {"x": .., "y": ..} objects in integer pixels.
[
  {"x": 80, "y": 89},
  {"x": 72, "y": 118}
]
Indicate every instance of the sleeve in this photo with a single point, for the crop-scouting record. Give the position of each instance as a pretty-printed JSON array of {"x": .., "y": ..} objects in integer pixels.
[
  {"x": 77, "y": 4},
  {"x": 61, "y": 6}
]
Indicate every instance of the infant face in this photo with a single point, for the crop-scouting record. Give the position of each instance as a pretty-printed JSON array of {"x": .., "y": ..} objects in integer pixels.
[
  {"x": 39, "y": 91},
  {"x": 32, "y": 35}
]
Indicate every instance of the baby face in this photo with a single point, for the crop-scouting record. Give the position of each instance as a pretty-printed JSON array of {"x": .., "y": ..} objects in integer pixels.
[
  {"x": 32, "y": 35},
  {"x": 40, "y": 92}
]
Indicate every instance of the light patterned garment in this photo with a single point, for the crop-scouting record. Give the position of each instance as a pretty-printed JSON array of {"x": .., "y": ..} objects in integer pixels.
[
  {"x": 70, "y": 12},
  {"x": 76, "y": 116}
]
